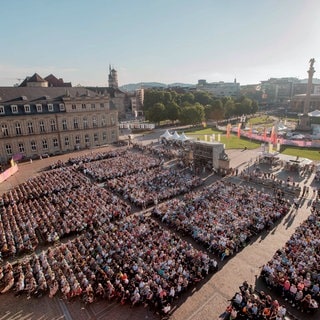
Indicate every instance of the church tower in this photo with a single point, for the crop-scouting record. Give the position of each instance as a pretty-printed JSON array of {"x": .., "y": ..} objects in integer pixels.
[{"x": 113, "y": 78}]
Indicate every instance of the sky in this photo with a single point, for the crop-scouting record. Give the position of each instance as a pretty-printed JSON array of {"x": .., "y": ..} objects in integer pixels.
[{"x": 164, "y": 41}]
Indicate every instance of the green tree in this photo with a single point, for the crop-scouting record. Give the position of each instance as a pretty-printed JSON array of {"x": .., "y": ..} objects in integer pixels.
[
  {"x": 187, "y": 99},
  {"x": 192, "y": 114},
  {"x": 156, "y": 113},
  {"x": 172, "y": 111},
  {"x": 254, "y": 107},
  {"x": 203, "y": 97},
  {"x": 229, "y": 108},
  {"x": 151, "y": 97},
  {"x": 218, "y": 111}
]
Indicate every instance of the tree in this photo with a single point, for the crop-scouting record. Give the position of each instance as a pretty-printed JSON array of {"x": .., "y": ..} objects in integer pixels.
[
  {"x": 254, "y": 107},
  {"x": 156, "y": 113},
  {"x": 187, "y": 99},
  {"x": 203, "y": 97},
  {"x": 172, "y": 111},
  {"x": 244, "y": 106},
  {"x": 218, "y": 111},
  {"x": 229, "y": 108},
  {"x": 151, "y": 97},
  {"x": 192, "y": 114},
  {"x": 215, "y": 110}
]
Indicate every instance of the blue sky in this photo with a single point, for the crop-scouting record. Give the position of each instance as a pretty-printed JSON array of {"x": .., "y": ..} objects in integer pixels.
[{"x": 158, "y": 40}]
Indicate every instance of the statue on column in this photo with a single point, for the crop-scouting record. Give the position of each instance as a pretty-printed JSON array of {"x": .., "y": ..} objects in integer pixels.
[{"x": 312, "y": 61}]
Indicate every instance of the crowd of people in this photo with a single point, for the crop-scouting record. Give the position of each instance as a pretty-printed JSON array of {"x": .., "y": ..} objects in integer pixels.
[
  {"x": 224, "y": 216},
  {"x": 97, "y": 156},
  {"x": 67, "y": 204},
  {"x": 154, "y": 185},
  {"x": 247, "y": 304},
  {"x": 294, "y": 270},
  {"x": 128, "y": 163},
  {"x": 132, "y": 260},
  {"x": 162, "y": 151},
  {"x": 45, "y": 183}
]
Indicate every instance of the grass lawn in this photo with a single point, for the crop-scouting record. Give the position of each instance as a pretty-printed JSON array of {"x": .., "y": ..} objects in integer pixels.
[
  {"x": 312, "y": 154},
  {"x": 233, "y": 142},
  {"x": 263, "y": 120}
]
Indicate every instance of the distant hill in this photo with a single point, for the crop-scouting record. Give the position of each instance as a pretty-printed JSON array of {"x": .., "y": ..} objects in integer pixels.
[{"x": 147, "y": 85}]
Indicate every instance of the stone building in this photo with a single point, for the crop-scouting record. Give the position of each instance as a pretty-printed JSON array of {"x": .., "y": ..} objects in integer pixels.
[
  {"x": 220, "y": 89},
  {"x": 49, "y": 81},
  {"x": 127, "y": 104},
  {"x": 37, "y": 120}
]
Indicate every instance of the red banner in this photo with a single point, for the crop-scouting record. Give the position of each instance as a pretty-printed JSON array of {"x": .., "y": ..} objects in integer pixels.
[
  {"x": 250, "y": 131},
  {"x": 239, "y": 130},
  {"x": 272, "y": 136},
  {"x": 228, "y": 129}
]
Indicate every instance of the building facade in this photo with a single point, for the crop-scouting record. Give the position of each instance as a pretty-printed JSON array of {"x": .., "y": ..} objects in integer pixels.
[
  {"x": 220, "y": 89},
  {"x": 280, "y": 91},
  {"x": 37, "y": 120},
  {"x": 297, "y": 102}
]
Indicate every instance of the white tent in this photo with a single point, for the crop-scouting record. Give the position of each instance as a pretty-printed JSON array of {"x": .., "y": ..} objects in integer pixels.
[
  {"x": 183, "y": 137},
  {"x": 315, "y": 113},
  {"x": 167, "y": 135},
  {"x": 175, "y": 136}
]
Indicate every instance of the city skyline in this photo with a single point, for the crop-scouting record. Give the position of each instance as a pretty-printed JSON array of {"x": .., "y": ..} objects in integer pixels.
[{"x": 158, "y": 41}]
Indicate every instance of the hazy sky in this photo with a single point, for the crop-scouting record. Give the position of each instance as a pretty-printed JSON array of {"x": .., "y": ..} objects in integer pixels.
[{"x": 158, "y": 40}]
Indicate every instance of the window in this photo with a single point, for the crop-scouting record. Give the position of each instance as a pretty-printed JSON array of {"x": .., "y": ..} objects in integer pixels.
[
  {"x": 21, "y": 147},
  {"x": 66, "y": 141},
  {"x": 112, "y": 119},
  {"x": 5, "y": 131},
  {"x": 30, "y": 127},
  {"x": 64, "y": 124},
  {"x": 39, "y": 107},
  {"x": 87, "y": 138},
  {"x": 41, "y": 126},
  {"x": 95, "y": 137},
  {"x": 104, "y": 136},
  {"x": 33, "y": 145},
  {"x": 50, "y": 107},
  {"x": 2, "y": 110},
  {"x": 62, "y": 107},
  {"x": 77, "y": 139},
  {"x": 101, "y": 105},
  {"x": 14, "y": 109},
  {"x": 74, "y": 107},
  {"x": 55, "y": 142},
  {"x": 94, "y": 122},
  {"x": 85, "y": 123},
  {"x": 44, "y": 144},
  {"x": 113, "y": 135},
  {"x": 75, "y": 123},
  {"x": 18, "y": 129},
  {"x": 8, "y": 149},
  {"x": 27, "y": 108},
  {"x": 103, "y": 121},
  {"x": 84, "y": 106},
  {"x": 93, "y": 106},
  {"x": 53, "y": 125}
]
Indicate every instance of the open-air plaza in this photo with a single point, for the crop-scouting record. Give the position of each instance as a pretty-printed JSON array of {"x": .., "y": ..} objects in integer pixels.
[{"x": 132, "y": 232}]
